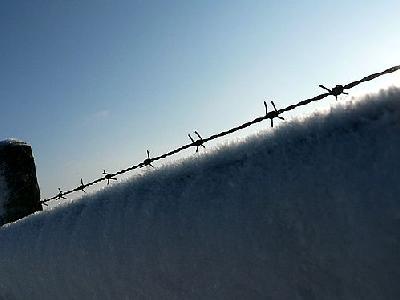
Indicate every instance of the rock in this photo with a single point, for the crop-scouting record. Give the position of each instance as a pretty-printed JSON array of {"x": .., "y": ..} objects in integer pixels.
[{"x": 19, "y": 189}]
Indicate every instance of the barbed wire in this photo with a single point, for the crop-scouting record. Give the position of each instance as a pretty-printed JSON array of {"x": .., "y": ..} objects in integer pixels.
[{"x": 199, "y": 142}]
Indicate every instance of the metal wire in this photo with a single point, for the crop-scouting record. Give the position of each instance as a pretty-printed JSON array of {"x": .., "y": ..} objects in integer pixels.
[{"x": 337, "y": 90}]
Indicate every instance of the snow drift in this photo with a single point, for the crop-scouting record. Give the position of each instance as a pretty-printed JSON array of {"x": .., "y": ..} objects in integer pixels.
[{"x": 310, "y": 210}]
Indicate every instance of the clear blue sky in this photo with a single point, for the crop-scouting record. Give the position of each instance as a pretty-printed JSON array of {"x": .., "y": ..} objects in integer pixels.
[{"x": 93, "y": 84}]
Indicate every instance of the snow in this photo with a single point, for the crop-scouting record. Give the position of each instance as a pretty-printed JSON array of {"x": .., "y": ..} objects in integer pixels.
[
  {"x": 309, "y": 210},
  {"x": 11, "y": 141}
]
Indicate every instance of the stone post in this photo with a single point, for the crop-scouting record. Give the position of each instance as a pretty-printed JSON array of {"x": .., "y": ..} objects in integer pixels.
[{"x": 19, "y": 189}]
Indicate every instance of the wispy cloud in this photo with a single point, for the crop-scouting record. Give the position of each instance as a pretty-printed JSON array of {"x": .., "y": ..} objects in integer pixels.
[
  {"x": 101, "y": 114},
  {"x": 97, "y": 116}
]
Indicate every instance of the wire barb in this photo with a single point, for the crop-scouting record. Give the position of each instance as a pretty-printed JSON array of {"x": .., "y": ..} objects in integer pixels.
[
  {"x": 273, "y": 114},
  {"x": 198, "y": 143},
  {"x": 336, "y": 91},
  {"x": 60, "y": 194},
  {"x": 109, "y": 176},
  {"x": 81, "y": 187},
  {"x": 148, "y": 160}
]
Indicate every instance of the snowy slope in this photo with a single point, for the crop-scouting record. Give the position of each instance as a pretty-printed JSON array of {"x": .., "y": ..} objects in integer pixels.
[{"x": 308, "y": 211}]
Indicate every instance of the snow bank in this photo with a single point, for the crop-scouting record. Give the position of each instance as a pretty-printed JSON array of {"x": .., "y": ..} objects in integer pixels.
[{"x": 310, "y": 210}]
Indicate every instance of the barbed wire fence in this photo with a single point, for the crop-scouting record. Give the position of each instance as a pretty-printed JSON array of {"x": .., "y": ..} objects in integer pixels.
[{"x": 198, "y": 141}]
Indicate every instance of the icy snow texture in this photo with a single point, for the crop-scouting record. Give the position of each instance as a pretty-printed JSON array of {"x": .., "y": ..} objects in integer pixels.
[{"x": 308, "y": 211}]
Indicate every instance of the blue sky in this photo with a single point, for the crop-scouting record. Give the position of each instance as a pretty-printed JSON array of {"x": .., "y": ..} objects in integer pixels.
[{"x": 93, "y": 84}]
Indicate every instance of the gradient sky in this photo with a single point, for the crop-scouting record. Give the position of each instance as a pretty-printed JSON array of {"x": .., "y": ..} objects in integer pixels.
[{"x": 93, "y": 84}]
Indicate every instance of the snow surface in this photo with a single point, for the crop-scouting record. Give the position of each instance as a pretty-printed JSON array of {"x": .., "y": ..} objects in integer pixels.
[
  {"x": 310, "y": 210},
  {"x": 11, "y": 141}
]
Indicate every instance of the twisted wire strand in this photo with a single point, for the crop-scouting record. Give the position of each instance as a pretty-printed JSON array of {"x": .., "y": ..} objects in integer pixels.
[{"x": 271, "y": 115}]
